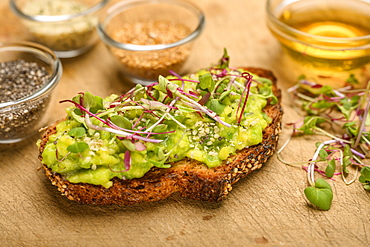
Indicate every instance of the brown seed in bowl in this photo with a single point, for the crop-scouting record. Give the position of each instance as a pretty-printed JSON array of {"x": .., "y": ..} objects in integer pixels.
[{"x": 150, "y": 64}]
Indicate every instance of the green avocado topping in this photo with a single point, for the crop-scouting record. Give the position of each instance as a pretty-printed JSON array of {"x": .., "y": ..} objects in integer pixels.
[{"x": 206, "y": 116}]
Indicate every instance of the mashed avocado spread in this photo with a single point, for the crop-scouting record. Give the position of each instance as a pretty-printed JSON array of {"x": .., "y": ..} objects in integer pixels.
[{"x": 206, "y": 116}]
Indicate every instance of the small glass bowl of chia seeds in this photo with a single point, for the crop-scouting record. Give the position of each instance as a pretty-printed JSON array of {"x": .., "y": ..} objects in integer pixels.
[
  {"x": 151, "y": 37},
  {"x": 68, "y": 27},
  {"x": 29, "y": 72}
]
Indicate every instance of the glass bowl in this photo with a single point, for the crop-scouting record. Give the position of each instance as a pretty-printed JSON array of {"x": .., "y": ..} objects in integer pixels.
[
  {"x": 68, "y": 27},
  {"x": 328, "y": 38},
  {"x": 29, "y": 72},
  {"x": 151, "y": 37}
]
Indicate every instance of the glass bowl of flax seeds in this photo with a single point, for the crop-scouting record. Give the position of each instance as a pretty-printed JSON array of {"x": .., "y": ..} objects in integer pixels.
[
  {"x": 151, "y": 37},
  {"x": 29, "y": 72}
]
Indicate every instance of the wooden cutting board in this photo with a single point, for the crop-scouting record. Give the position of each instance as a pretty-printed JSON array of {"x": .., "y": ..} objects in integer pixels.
[{"x": 268, "y": 208}]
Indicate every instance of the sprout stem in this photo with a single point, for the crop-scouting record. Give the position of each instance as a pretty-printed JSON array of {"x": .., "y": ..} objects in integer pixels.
[
  {"x": 311, "y": 166},
  {"x": 362, "y": 125}
]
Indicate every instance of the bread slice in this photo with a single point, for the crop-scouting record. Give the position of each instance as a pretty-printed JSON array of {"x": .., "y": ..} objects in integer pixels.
[{"x": 187, "y": 177}]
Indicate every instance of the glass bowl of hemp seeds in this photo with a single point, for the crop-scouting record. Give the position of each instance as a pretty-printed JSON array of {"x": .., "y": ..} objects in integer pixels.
[
  {"x": 68, "y": 27},
  {"x": 29, "y": 72},
  {"x": 151, "y": 37}
]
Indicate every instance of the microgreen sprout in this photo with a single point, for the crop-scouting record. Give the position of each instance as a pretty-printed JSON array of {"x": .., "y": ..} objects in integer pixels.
[{"x": 325, "y": 109}]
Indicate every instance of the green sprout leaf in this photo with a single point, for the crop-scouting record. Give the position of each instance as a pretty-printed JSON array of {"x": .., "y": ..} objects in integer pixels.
[
  {"x": 224, "y": 95},
  {"x": 326, "y": 90},
  {"x": 93, "y": 103},
  {"x": 346, "y": 162},
  {"x": 323, "y": 154},
  {"x": 77, "y": 147},
  {"x": 162, "y": 84},
  {"x": 352, "y": 79},
  {"x": 365, "y": 177},
  {"x": 267, "y": 93},
  {"x": 121, "y": 121},
  {"x": 310, "y": 123},
  {"x": 330, "y": 168},
  {"x": 321, "y": 195},
  {"x": 322, "y": 104},
  {"x": 77, "y": 132},
  {"x": 129, "y": 145},
  {"x": 348, "y": 105},
  {"x": 347, "y": 151},
  {"x": 224, "y": 63},
  {"x": 160, "y": 128},
  {"x": 206, "y": 82},
  {"x": 160, "y": 164},
  {"x": 264, "y": 81},
  {"x": 216, "y": 106}
]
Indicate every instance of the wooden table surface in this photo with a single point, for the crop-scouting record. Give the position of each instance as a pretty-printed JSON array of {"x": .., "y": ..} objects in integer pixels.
[{"x": 268, "y": 208}]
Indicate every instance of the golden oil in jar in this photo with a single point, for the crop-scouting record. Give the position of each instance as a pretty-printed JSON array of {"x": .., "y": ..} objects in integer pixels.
[
  {"x": 323, "y": 25},
  {"x": 326, "y": 39}
]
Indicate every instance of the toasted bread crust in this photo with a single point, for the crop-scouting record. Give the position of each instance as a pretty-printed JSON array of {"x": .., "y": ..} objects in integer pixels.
[{"x": 188, "y": 177}]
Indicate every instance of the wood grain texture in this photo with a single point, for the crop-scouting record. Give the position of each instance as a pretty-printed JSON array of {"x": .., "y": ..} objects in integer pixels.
[{"x": 267, "y": 208}]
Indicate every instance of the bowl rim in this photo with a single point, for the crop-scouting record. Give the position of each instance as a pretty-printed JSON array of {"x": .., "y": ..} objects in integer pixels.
[
  {"x": 323, "y": 39},
  {"x": 48, "y": 56},
  {"x": 55, "y": 18},
  {"x": 123, "y": 5}
]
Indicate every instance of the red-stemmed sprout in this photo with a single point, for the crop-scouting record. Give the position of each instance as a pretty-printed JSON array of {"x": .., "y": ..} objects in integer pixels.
[{"x": 346, "y": 107}]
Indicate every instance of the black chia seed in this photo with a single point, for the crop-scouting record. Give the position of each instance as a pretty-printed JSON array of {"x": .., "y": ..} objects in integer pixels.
[{"x": 19, "y": 79}]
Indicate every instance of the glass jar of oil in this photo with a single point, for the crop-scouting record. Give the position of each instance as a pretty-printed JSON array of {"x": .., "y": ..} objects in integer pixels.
[{"x": 326, "y": 39}]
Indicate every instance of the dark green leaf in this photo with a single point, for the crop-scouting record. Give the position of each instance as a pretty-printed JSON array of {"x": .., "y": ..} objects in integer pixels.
[
  {"x": 160, "y": 128},
  {"x": 349, "y": 124},
  {"x": 216, "y": 106},
  {"x": 129, "y": 145},
  {"x": 310, "y": 123},
  {"x": 323, "y": 154},
  {"x": 222, "y": 87},
  {"x": 265, "y": 91},
  {"x": 347, "y": 151},
  {"x": 352, "y": 79},
  {"x": 365, "y": 177},
  {"x": 206, "y": 82},
  {"x": 159, "y": 164},
  {"x": 77, "y": 132},
  {"x": 346, "y": 162},
  {"x": 162, "y": 84},
  {"x": 224, "y": 95},
  {"x": 327, "y": 90},
  {"x": 317, "y": 144},
  {"x": 121, "y": 121},
  {"x": 159, "y": 152},
  {"x": 321, "y": 195},
  {"x": 348, "y": 105},
  {"x": 322, "y": 104},
  {"x": 91, "y": 102},
  {"x": 77, "y": 147},
  {"x": 77, "y": 98},
  {"x": 265, "y": 81},
  {"x": 330, "y": 169}
]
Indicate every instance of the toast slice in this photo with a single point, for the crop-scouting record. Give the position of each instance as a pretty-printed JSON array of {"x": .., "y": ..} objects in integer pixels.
[{"x": 189, "y": 178}]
